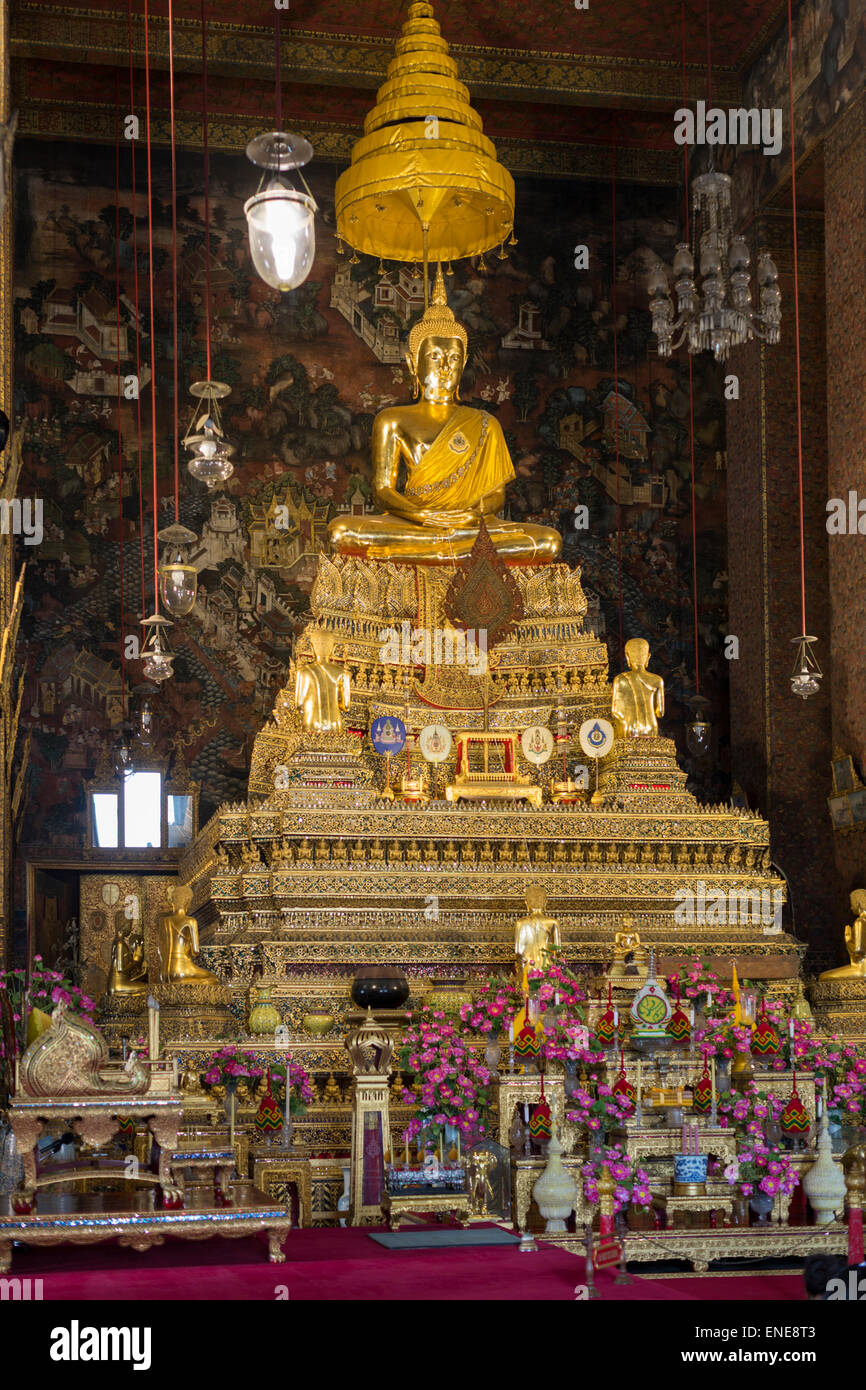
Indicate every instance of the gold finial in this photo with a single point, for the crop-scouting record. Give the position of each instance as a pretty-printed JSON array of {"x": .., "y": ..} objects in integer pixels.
[{"x": 438, "y": 320}]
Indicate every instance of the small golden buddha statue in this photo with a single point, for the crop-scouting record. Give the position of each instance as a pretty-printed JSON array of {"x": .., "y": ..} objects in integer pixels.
[
  {"x": 647, "y": 854},
  {"x": 521, "y": 853},
  {"x": 630, "y": 958},
  {"x": 630, "y": 853},
  {"x": 801, "y": 1008},
  {"x": 322, "y": 687},
  {"x": 560, "y": 853},
  {"x": 638, "y": 695},
  {"x": 535, "y": 935},
  {"x": 664, "y": 854},
  {"x": 855, "y": 943},
  {"x": 450, "y": 853},
  {"x": 358, "y": 852},
  {"x": 339, "y": 851},
  {"x": 413, "y": 853},
  {"x": 486, "y": 855},
  {"x": 594, "y": 856},
  {"x": 377, "y": 853},
  {"x": 128, "y": 970},
  {"x": 178, "y": 940},
  {"x": 431, "y": 853},
  {"x": 456, "y": 461}
]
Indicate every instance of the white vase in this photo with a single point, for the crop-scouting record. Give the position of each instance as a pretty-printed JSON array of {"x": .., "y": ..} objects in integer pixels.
[
  {"x": 824, "y": 1184},
  {"x": 344, "y": 1197},
  {"x": 555, "y": 1192}
]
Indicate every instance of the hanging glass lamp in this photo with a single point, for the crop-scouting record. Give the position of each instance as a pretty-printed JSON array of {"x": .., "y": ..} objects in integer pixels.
[
  {"x": 699, "y": 730},
  {"x": 280, "y": 218},
  {"x": 156, "y": 655},
  {"x": 210, "y": 452},
  {"x": 807, "y": 675},
  {"x": 178, "y": 576}
]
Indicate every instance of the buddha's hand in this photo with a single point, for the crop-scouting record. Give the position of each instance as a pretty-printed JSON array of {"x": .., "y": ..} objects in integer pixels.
[{"x": 444, "y": 521}]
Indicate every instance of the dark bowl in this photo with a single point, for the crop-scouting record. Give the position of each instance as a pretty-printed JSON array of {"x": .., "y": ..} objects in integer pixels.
[{"x": 379, "y": 987}]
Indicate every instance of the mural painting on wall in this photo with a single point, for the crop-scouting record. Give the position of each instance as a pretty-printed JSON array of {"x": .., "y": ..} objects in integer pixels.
[{"x": 308, "y": 372}]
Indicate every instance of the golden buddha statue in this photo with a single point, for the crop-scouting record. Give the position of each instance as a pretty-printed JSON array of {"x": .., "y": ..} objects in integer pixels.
[
  {"x": 630, "y": 957},
  {"x": 322, "y": 688},
  {"x": 178, "y": 941},
  {"x": 536, "y": 934},
  {"x": 855, "y": 943},
  {"x": 638, "y": 694},
  {"x": 456, "y": 460},
  {"x": 128, "y": 970}
]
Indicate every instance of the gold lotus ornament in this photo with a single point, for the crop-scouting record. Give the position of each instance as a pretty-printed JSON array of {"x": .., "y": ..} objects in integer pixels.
[{"x": 424, "y": 182}]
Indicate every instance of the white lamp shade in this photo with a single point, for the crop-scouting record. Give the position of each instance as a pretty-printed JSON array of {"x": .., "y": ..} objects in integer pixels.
[{"x": 282, "y": 235}]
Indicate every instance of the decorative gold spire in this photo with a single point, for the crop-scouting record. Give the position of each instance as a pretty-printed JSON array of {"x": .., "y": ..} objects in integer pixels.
[
  {"x": 424, "y": 182},
  {"x": 438, "y": 321}
]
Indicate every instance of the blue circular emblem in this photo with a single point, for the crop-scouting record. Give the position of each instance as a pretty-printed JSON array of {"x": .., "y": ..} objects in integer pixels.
[
  {"x": 596, "y": 735},
  {"x": 387, "y": 734}
]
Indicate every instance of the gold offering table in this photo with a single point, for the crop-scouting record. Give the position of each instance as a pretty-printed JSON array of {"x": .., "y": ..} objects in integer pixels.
[
  {"x": 758, "y": 1243},
  {"x": 397, "y": 1209},
  {"x": 87, "y": 1221}
]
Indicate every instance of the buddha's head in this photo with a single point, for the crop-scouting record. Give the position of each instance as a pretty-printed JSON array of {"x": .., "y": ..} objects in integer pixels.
[
  {"x": 322, "y": 644},
  {"x": 180, "y": 896},
  {"x": 437, "y": 349},
  {"x": 535, "y": 897},
  {"x": 637, "y": 653},
  {"x": 858, "y": 900}
]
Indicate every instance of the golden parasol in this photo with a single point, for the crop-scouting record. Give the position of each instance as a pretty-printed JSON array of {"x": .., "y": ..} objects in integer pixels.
[{"x": 424, "y": 182}]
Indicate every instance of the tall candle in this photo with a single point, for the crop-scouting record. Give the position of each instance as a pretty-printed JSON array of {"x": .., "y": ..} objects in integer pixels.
[
  {"x": 406, "y": 1151},
  {"x": 152, "y": 1028},
  {"x": 791, "y": 1029},
  {"x": 713, "y": 1087},
  {"x": 637, "y": 1088},
  {"x": 458, "y": 1146}
]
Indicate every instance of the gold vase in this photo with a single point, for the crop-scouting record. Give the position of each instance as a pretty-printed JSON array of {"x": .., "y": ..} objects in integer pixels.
[
  {"x": 264, "y": 1017},
  {"x": 318, "y": 1025}
]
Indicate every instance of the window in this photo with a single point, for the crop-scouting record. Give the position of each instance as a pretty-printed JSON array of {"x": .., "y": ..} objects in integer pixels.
[
  {"x": 147, "y": 809},
  {"x": 142, "y": 810},
  {"x": 105, "y": 827}
]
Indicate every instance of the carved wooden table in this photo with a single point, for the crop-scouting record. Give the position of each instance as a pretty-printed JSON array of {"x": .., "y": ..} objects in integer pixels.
[
  {"x": 456, "y": 1204},
  {"x": 95, "y": 1121},
  {"x": 86, "y": 1223}
]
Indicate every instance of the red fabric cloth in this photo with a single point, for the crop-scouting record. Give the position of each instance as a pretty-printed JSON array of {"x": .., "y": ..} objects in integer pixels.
[{"x": 342, "y": 1264}]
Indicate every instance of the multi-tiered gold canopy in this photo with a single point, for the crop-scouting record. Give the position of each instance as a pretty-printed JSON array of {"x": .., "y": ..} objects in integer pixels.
[{"x": 424, "y": 182}]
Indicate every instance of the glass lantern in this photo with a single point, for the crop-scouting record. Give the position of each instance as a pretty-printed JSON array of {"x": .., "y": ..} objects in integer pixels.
[
  {"x": 807, "y": 674},
  {"x": 210, "y": 452},
  {"x": 699, "y": 730},
  {"x": 156, "y": 655},
  {"x": 144, "y": 721},
  {"x": 280, "y": 218},
  {"x": 178, "y": 577}
]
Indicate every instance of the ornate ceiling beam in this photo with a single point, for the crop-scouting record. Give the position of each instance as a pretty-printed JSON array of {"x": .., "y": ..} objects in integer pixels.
[
  {"x": 65, "y": 34},
  {"x": 51, "y": 119}
]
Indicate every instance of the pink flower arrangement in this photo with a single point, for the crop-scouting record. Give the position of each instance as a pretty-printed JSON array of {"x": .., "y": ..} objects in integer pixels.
[
  {"x": 762, "y": 1167},
  {"x": 453, "y": 1081},
  {"x": 231, "y": 1065},
  {"x": 44, "y": 990},
  {"x": 750, "y": 1110},
  {"x": 632, "y": 1182},
  {"x": 600, "y": 1111}
]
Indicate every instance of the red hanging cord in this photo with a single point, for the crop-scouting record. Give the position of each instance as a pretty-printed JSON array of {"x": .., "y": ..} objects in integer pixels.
[
  {"x": 277, "y": 17},
  {"x": 691, "y": 373},
  {"x": 119, "y": 391},
  {"x": 616, "y": 394},
  {"x": 797, "y": 323},
  {"x": 174, "y": 253},
  {"x": 152, "y": 309},
  {"x": 143, "y": 611},
  {"x": 709, "y": 55},
  {"x": 206, "y": 150}
]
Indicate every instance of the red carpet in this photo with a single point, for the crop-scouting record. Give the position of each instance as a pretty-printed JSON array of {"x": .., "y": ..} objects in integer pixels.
[{"x": 333, "y": 1264}]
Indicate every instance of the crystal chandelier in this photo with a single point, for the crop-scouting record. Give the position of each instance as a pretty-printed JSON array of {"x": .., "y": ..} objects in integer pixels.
[
  {"x": 210, "y": 452},
  {"x": 720, "y": 315}
]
